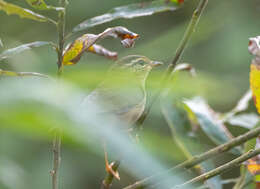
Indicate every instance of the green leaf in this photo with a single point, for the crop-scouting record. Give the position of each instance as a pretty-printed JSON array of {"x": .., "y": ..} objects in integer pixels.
[
  {"x": 209, "y": 122},
  {"x": 176, "y": 116},
  {"x": 41, "y": 5},
  {"x": 23, "y": 13},
  {"x": 10, "y": 52},
  {"x": 246, "y": 120},
  {"x": 21, "y": 74},
  {"x": 130, "y": 11}
]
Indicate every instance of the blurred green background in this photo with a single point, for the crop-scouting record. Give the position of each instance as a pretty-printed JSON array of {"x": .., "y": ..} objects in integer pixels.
[{"x": 218, "y": 52}]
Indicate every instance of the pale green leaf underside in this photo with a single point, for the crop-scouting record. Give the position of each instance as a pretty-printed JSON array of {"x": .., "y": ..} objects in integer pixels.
[
  {"x": 209, "y": 122},
  {"x": 23, "y": 13},
  {"x": 177, "y": 119},
  {"x": 41, "y": 5},
  {"x": 128, "y": 12},
  {"x": 10, "y": 52}
]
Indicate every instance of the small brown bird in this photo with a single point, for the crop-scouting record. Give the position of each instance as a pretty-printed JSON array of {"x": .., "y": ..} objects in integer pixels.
[{"x": 122, "y": 93}]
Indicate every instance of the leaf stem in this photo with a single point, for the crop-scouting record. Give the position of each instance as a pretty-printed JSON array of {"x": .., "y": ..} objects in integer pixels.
[
  {"x": 219, "y": 170},
  {"x": 199, "y": 158},
  {"x": 61, "y": 33}
]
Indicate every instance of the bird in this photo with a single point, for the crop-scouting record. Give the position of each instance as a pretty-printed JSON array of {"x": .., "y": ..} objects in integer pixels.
[{"x": 122, "y": 93}]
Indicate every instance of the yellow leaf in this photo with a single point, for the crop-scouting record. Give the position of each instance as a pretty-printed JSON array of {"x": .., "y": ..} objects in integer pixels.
[
  {"x": 41, "y": 5},
  {"x": 255, "y": 84},
  {"x": 74, "y": 51}
]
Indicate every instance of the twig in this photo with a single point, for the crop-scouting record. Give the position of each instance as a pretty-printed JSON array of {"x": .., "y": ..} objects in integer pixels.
[
  {"x": 106, "y": 184},
  {"x": 56, "y": 159},
  {"x": 168, "y": 74},
  {"x": 230, "y": 165},
  {"x": 199, "y": 158},
  {"x": 57, "y": 138}
]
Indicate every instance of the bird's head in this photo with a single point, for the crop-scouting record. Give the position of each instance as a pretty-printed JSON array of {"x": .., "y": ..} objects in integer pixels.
[{"x": 135, "y": 65}]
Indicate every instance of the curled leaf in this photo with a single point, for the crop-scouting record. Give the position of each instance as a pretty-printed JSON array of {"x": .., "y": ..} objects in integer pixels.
[
  {"x": 185, "y": 67},
  {"x": 74, "y": 51},
  {"x": 254, "y": 46},
  {"x": 99, "y": 50},
  {"x": 10, "y": 52},
  {"x": 21, "y": 74},
  {"x": 131, "y": 11},
  {"x": 41, "y": 5},
  {"x": 23, "y": 13}
]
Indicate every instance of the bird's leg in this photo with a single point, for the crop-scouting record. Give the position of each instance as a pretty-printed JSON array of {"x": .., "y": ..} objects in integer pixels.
[{"x": 109, "y": 166}]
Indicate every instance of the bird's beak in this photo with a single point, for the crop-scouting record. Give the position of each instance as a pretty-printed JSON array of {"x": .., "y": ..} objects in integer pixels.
[{"x": 156, "y": 63}]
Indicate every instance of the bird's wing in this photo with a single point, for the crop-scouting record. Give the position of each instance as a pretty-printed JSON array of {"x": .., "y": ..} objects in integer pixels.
[{"x": 116, "y": 100}]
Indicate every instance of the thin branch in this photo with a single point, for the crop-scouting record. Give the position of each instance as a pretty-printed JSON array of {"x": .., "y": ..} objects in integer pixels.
[
  {"x": 199, "y": 158},
  {"x": 107, "y": 182},
  {"x": 189, "y": 31},
  {"x": 230, "y": 165},
  {"x": 181, "y": 47},
  {"x": 56, "y": 159},
  {"x": 57, "y": 138}
]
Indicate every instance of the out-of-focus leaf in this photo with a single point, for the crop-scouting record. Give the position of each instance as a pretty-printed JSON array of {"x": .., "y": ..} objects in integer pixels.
[
  {"x": 1, "y": 43},
  {"x": 21, "y": 74},
  {"x": 74, "y": 51},
  {"x": 41, "y": 5},
  {"x": 12, "y": 175},
  {"x": 210, "y": 122},
  {"x": 247, "y": 120},
  {"x": 243, "y": 102},
  {"x": 178, "y": 121},
  {"x": 242, "y": 105},
  {"x": 10, "y": 52},
  {"x": 253, "y": 164},
  {"x": 130, "y": 11},
  {"x": 60, "y": 104},
  {"x": 23, "y": 13}
]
